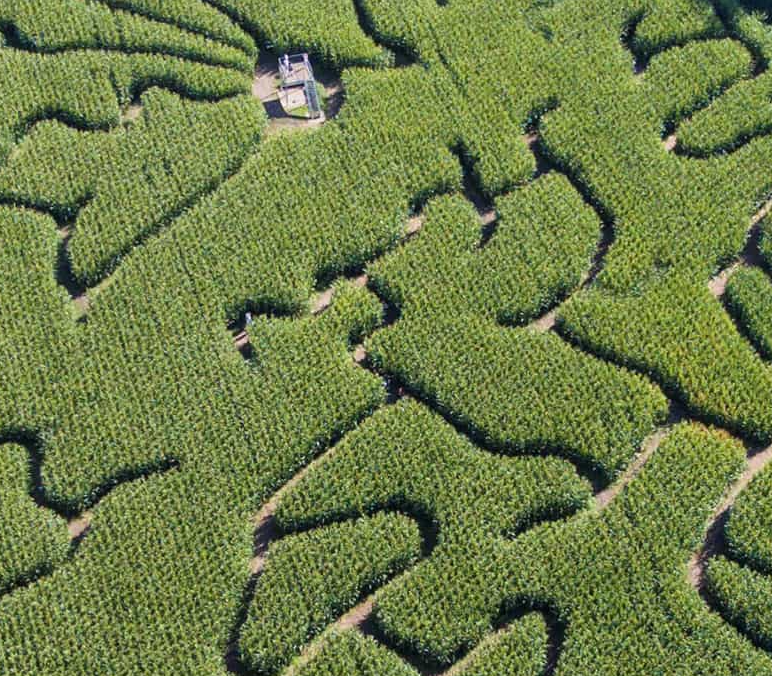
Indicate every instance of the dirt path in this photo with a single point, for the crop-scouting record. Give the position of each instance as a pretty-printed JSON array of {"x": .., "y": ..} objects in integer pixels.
[
  {"x": 717, "y": 285},
  {"x": 82, "y": 305},
  {"x": 323, "y": 300},
  {"x": 265, "y": 82},
  {"x": 714, "y": 540},
  {"x": 414, "y": 225},
  {"x": 650, "y": 445},
  {"x": 353, "y": 619},
  {"x": 266, "y": 532},
  {"x": 487, "y": 217},
  {"x": 65, "y": 277},
  {"x": 132, "y": 113},
  {"x": 670, "y": 143},
  {"x": 264, "y": 521},
  {"x": 750, "y": 256},
  {"x": 546, "y": 322},
  {"x": 762, "y": 213},
  {"x": 79, "y": 527},
  {"x": 241, "y": 341}
]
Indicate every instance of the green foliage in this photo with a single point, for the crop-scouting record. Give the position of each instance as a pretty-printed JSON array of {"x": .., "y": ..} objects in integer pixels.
[
  {"x": 328, "y": 28},
  {"x": 749, "y": 298},
  {"x": 324, "y": 232},
  {"x": 81, "y": 87},
  {"x": 193, "y": 15},
  {"x": 59, "y": 25},
  {"x": 738, "y": 584},
  {"x": 618, "y": 579},
  {"x": 666, "y": 24},
  {"x": 686, "y": 78},
  {"x": 32, "y": 539},
  {"x": 134, "y": 560},
  {"x": 615, "y": 579},
  {"x": 748, "y": 23},
  {"x": 518, "y": 650},
  {"x": 510, "y": 280},
  {"x": 747, "y": 532},
  {"x": 173, "y": 549},
  {"x": 134, "y": 178},
  {"x": 151, "y": 383},
  {"x": 522, "y": 391},
  {"x": 34, "y": 316},
  {"x": 349, "y": 653},
  {"x": 765, "y": 245},
  {"x": 518, "y": 389},
  {"x": 312, "y": 578},
  {"x": 743, "y": 597},
  {"x": 304, "y": 359},
  {"x": 678, "y": 333},
  {"x": 407, "y": 26},
  {"x": 406, "y": 457},
  {"x": 741, "y": 114}
]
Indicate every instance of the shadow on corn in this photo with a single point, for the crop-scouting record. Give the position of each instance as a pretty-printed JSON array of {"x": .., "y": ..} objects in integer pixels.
[
  {"x": 75, "y": 512},
  {"x": 715, "y": 544},
  {"x": 358, "y": 616}
]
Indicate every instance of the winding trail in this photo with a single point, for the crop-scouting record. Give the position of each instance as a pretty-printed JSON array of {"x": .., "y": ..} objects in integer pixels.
[
  {"x": 605, "y": 497},
  {"x": 266, "y": 530},
  {"x": 65, "y": 276},
  {"x": 750, "y": 256},
  {"x": 78, "y": 520},
  {"x": 717, "y": 285},
  {"x": 132, "y": 113},
  {"x": 715, "y": 541},
  {"x": 353, "y": 619},
  {"x": 532, "y": 141}
]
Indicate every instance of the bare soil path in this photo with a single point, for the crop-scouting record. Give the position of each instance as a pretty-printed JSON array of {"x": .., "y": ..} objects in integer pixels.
[
  {"x": 545, "y": 322},
  {"x": 532, "y": 141},
  {"x": 79, "y": 526},
  {"x": 750, "y": 256},
  {"x": 714, "y": 542},
  {"x": 264, "y": 521},
  {"x": 605, "y": 497},
  {"x": 132, "y": 113},
  {"x": 353, "y": 619}
]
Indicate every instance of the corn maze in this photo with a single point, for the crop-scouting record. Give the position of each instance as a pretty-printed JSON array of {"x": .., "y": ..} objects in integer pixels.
[{"x": 472, "y": 379}]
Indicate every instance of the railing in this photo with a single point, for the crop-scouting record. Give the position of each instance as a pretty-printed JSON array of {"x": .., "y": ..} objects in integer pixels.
[
  {"x": 312, "y": 98},
  {"x": 295, "y": 69}
]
